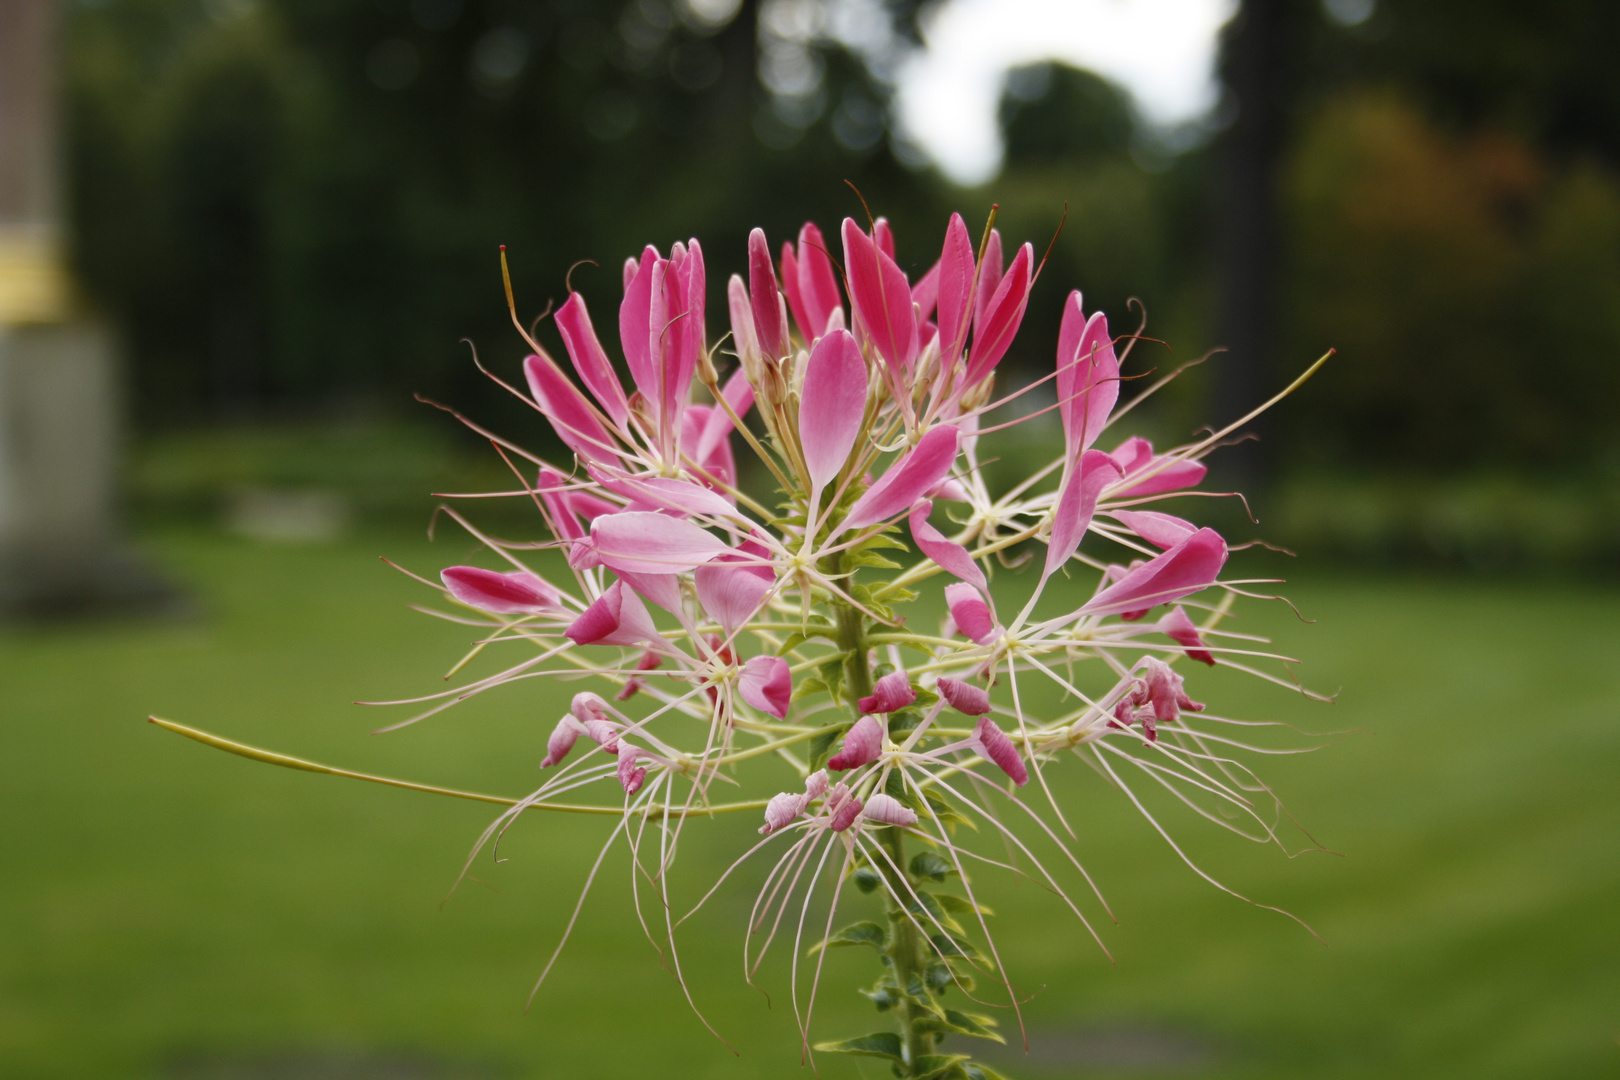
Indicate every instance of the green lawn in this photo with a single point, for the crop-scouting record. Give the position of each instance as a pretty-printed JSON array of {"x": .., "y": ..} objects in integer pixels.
[{"x": 168, "y": 910}]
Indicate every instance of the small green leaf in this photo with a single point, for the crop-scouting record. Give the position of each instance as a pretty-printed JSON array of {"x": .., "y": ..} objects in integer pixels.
[
  {"x": 884, "y": 997},
  {"x": 962, "y": 1024},
  {"x": 883, "y": 540},
  {"x": 869, "y": 558},
  {"x": 867, "y": 879},
  {"x": 861, "y": 933},
  {"x": 939, "y": 977},
  {"x": 806, "y": 687},
  {"x": 933, "y": 1066},
  {"x": 883, "y": 1044},
  {"x": 821, "y": 746},
  {"x": 957, "y": 905},
  {"x": 929, "y": 866},
  {"x": 972, "y": 1070},
  {"x": 928, "y": 910}
]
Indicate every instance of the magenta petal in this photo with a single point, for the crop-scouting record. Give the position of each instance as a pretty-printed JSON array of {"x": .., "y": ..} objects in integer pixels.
[
  {"x": 887, "y": 810},
  {"x": 1186, "y": 568},
  {"x": 767, "y": 685},
  {"x": 1087, "y": 376},
  {"x": 744, "y": 339},
  {"x": 884, "y": 235},
  {"x": 970, "y": 612},
  {"x": 567, "y": 409},
  {"x": 993, "y": 745},
  {"x": 662, "y": 589},
  {"x": 552, "y": 487},
  {"x": 862, "y": 744},
  {"x": 952, "y": 557},
  {"x": 1179, "y": 627},
  {"x": 635, "y": 323},
  {"x": 833, "y": 405},
  {"x": 955, "y": 288},
  {"x": 881, "y": 297},
  {"x": 794, "y": 293},
  {"x": 630, "y": 776},
  {"x": 762, "y": 289},
  {"x": 907, "y": 479},
  {"x": 964, "y": 697},
  {"x": 668, "y": 493},
  {"x": 818, "y": 284},
  {"x": 732, "y": 591},
  {"x": 1160, "y": 530},
  {"x": 1171, "y": 477},
  {"x": 590, "y": 360},
  {"x": 647, "y": 543},
  {"x": 562, "y": 740},
  {"x": 845, "y": 811},
  {"x": 989, "y": 277},
  {"x": 993, "y": 333},
  {"x": 516, "y": 593},
  {"x": 890, "y": 693},
  {"x": 1076, "y": 504},
  {"x": 617, "y": 617},
  {"x": 925, "y": 295}
]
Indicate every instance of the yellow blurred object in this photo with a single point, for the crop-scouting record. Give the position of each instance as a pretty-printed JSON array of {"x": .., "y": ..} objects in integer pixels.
[{"x": 34, "y": 285}]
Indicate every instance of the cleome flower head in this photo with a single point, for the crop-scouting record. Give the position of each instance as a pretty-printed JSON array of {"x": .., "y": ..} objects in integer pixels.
[{"x": 764, "y": 626}]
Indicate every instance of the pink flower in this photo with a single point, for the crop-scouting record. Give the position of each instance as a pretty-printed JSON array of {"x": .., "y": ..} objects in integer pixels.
[
  {"x": 515, "y": 593},
  {"x": 832, "y": 407},
  {"x": 1087, "y": 375},
  {"x": 766, "y": 683},
  {"x": 1157, "y": 698},
  {"x": 810, "y": 284},
  {"x": 1187, "y": 568},
  {"x": 889, "y": 694},
  {"x": 784, "y": 808},
  {"x": 842, "y": 808},
  {"x": 563, "y": 737},
  {"x": 1179, "y": 628},
  {"x": 884, "y": 809},
  {"x": 617, "y": 617},
  {"x": 881, "y": 297},
  {"x": 630, "y": 775},
  {"x": 907, "y": 479},
  {"x": 992, "y": 744},
  {"x": 963, "y": 697},
  {"x": 970, "y": 612},
  {"x": 863, "y": 743}
]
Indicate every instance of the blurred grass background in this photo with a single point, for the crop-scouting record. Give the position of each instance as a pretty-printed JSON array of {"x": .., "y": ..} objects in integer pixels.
[
  {"x": 290, "y": 209},
  {"x": 174, "y": 911}
]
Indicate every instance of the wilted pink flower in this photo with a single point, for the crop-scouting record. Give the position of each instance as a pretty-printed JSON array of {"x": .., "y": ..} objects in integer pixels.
[
  {"x": 964, "y": 697},
  {"x": 992, "y": 744},
  {"x": 884, "y": 809},
  {"x": 516, "y": 593},
  {"x": 1157, "y": 698},
  {"x": 889, "y": 694},
  {"x": 1180, "y": 629},
  {"x": 970, "y": 612},
  {"x": 862, "y": 744},
  {"x": 767, "y": 685}
]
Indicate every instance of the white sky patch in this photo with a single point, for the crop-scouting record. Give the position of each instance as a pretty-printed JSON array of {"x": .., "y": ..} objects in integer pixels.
[{"x": 1161, "y": 51}]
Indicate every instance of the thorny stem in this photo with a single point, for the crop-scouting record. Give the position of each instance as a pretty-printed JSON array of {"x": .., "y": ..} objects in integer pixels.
[{"x": 907, "y": 951}]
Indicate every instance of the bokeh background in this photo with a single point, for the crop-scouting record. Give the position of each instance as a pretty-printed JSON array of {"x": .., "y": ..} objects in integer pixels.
[{"x": 290, "y": 210}]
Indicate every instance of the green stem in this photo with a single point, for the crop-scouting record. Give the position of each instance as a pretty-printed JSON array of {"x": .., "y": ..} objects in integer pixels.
[{"x": 907, "y": 950}]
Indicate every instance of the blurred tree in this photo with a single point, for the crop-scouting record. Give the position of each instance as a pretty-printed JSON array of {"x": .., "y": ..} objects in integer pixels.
[{"x": 291, "y": 201}]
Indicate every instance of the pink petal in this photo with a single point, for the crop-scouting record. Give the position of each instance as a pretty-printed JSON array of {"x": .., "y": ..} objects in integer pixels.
[
  {"x": 989, "y": 277},
  {"x": 970, "y": 612},
  {"x": 767, "y": 685},
  {"x": 815, "y": 785},
  {"x": 1174, "y": 477},
  {"x": 1179, "y": 627},
  {"x": 887, "y": 810},
  {"x": 881, "y": 297},
  {"x": 884, "y": 236},
  {"x": 1160, "y": 530},
  {"x": 907, "y": 479},
  {"x": 731, "y": 592},
  {"x": 889, "y": 694},
  {"x": 993, "y": 745},
  {"x": 1087, "y": 375},
  {"x": 567, "y": 409},
  {"x": 845, "y": 811},
  {"x": 562, "y": 740},
  {"x": 818, "y": 285},
  {"x": 629, "y": 775},
  {"x": 964, "y": 697},
  {"x": 590, "y": 360},
  {"x": 553, "y": 489},
  {"x": 645, "y": 543},
  {"x": 662, "y": 589},
  {"x": 1186, "y": 568},
  {"x": 952, "y": 557},
  {"x": 1002, "y": 316},
  {"x": 793, "y": 293},
  {"x": 667, "y": 493},
  {"x": 833, "y": 405},
  {"x": 783, "y": 809},
  {"x": 516, "y": 593},
  {"x": 744, "y": 338},
  {"x": 617, "y": 617},
  {"x": 635, "y": 323},
  {"x": 1076, "y": 504},
  {"x": 762, "y": 288},
  {"x": 955, "y": 288},
  {"x": 863, "y": 743},
  {"x": 925, "y": 295}
]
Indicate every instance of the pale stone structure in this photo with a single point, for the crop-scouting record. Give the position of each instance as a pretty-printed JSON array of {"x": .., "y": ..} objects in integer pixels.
[{"x": 60, "y": 438}]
